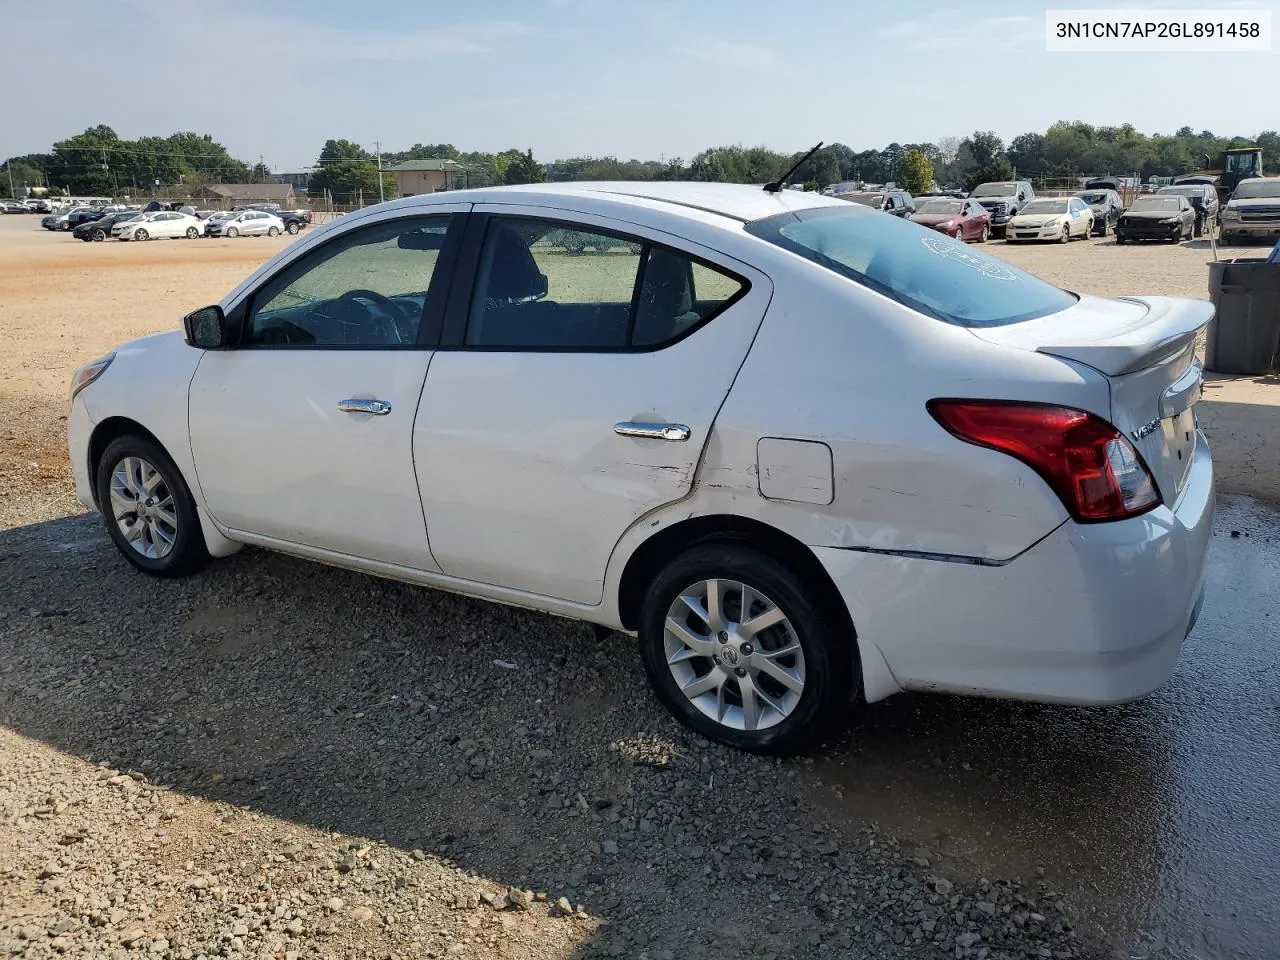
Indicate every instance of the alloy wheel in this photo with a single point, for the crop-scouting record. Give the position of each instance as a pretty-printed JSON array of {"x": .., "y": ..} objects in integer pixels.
[
  {"x": 734, "y": 654},
  {"x": 143, "y": 507}
]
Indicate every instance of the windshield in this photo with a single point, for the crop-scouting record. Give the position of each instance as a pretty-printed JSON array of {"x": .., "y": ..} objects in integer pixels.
[
  {"x": 866, "y": 199},
  {"x": 948, "y": 207},
  {"x": 1155, "y": 204},
  {"x": 1045, "y": 206},
  {"x": 1240, "y": 162},
  {"x": 934, "y": 275},
  {"x": 1097, "y": 196},
  {"x": 1249, "y": 189},
  {"x": 995, "y": 190}
]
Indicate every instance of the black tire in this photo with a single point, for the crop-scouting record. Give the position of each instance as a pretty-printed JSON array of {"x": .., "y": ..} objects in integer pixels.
[
  {"x": 1066, "y": 234},
  {"x": 188, "y": 553},
  {"x": 1119, "y": 238},
  {"x": 273, "y": 231},
  {"x": 231, "y": 232},
  {"x": 293, "y": 229},
  {"x": 98, "y": 235},
  {"x": 141, "y": 234},
  {"x": 824, "y": 703},
  {"x": 192, "y": 233}
]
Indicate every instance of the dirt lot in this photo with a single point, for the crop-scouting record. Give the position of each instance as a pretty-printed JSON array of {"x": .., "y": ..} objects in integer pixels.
[{"x": 276, "y": 759}]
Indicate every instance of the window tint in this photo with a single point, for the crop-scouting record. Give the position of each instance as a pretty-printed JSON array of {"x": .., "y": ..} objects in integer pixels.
[
  {"x": 542, "y": 284},
  {"x": 676, "y": 294},
  {"x": 367, "y": 287},
  {"x": 932, "y": 274}
]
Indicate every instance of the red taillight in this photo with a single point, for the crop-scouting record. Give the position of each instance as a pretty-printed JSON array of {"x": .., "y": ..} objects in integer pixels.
[{"x": 1089, "y": 464}]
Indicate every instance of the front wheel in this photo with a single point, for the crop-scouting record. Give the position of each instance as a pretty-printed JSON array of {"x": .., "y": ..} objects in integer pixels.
[
  {"x": 141, "y": 235},
  {"x": 1119, "y": 238},
  {"x": 149, "y": 511},
  {"x": 1066, "y": 234},
  {"x": 98, "y": 235},
  {"x": 741, "y": 650}
]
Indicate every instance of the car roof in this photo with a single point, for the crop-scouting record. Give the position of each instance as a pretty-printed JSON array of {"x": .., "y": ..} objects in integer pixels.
[{"x": 741, "y": 202}]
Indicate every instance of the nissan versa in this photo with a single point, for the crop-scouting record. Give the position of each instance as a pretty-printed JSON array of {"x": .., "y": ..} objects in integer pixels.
[{"x": 804, "y": 452}]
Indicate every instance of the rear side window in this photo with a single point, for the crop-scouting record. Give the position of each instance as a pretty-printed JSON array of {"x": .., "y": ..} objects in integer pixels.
[
  {"x": 543, "y": 285},
  {"x": 918, "y": 267}
]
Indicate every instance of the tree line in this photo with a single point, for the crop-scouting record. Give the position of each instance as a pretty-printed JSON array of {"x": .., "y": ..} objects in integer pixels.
[{"x": 98, "y": 162}]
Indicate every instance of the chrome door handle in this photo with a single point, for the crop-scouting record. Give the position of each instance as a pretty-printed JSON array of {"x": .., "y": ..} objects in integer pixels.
[
  {"x": 677, "y": 432},
  {"x": 379, "y": 408}
]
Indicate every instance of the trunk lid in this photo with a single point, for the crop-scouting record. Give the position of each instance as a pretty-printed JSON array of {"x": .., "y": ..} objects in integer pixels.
[{"x": 1147, "y": 349}]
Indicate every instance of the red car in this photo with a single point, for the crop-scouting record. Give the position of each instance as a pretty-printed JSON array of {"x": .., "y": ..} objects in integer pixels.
[{"x": 956, "y": 217}]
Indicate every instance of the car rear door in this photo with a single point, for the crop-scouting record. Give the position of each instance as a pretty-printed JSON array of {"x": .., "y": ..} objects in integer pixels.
[{"x": 574, "y": 392}]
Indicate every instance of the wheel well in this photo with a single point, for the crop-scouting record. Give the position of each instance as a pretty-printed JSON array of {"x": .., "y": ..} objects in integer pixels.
[
  {"x": 650, "y": 556},
  {"x": 108, "y": 430}
]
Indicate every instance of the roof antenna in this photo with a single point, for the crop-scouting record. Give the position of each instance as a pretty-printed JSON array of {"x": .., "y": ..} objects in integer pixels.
[{"x": 781, "y": 182}]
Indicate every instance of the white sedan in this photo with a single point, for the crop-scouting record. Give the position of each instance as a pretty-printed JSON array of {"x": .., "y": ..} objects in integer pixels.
[
  {"x": 800, "y": 450},
  {"x": 245, "y": 223},
  {"x": 159, "y": 225},
  {"x": 1047, "y": 218}
]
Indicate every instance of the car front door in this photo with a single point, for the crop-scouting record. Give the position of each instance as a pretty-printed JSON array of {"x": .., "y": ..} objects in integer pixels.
[
  {"x": 301, "y": 433},
  {"x": 574, "y": 392}
]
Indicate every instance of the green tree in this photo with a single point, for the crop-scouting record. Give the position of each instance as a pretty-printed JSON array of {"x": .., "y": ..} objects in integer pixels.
[
  {"x": 917, "y": 172},
  {"x": 347, "y": 172},
  {"x": 525, "y": 169}
]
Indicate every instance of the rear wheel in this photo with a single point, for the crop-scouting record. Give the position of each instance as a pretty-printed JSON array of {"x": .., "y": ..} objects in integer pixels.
[
  {"x": 149, "y": 511},
  {"x": 740, "y": 649},
  {"x": 985, "y": 235},
  {"x": 292, "y": 229},
  {"x": 273, "y": 231}
]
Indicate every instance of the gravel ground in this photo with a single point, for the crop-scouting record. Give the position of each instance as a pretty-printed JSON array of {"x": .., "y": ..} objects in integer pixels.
[{"x": 276, "y": 759}]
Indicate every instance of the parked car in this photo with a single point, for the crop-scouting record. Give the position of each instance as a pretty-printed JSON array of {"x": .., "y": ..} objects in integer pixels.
[
  {"x": 1204, "y": 201},
  {"x": 82, "y": 214},
  {"x": 1051, "y": 218},
  {"x": 103, "y": 228},
  {"x": 1106, "y": 207},
  {"x": 893, "y": 201},
  {"x": 159, "y": 225},
  {"x": 1156, "y": 217},
  {"x": 12, "y": 206},
  {"x": 61, "y": 220},
  {"x": 294, "y": 220},
  {"x": 963, "y": 219},
  {"x": 1253, "y": 210},
  {"x": 246, "y": 223},
  {"x": 1003, "y": 199},
  {"x": 719, "y": 468}
]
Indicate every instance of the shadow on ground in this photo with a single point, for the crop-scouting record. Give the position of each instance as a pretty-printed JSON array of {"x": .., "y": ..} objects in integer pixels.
[{"x": 376, "y": 709}]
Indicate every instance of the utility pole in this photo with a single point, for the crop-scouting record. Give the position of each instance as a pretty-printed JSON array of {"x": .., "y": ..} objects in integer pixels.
[
  {"x": 377, "y": 152},
  {"x": 10, "y": 171}
]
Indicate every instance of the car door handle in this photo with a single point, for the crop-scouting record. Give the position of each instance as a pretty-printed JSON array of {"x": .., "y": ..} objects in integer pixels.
[
  {"x": 677, "y": 432},
  {"x": 379, "y": 408}
]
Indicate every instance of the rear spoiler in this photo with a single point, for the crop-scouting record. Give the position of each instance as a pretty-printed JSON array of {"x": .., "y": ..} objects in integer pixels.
[{"x": 1166, "y": 328}]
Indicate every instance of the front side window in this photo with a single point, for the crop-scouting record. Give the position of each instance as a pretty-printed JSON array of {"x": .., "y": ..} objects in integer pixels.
[
  {"x": 934, "y": 275},
  {"x": 550, "y": 286},
  {"x": 365, "y": 288}
]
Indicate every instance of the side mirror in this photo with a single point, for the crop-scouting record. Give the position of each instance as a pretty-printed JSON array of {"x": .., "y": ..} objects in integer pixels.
[{"x": 206, "y": 328}]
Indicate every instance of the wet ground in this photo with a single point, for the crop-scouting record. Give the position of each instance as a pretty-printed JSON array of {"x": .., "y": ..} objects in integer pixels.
[{"x": 1161, "y": 819}]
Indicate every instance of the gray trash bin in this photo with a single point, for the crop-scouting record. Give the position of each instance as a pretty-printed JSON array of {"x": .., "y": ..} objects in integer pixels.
[{"x": 1244, "y": 336}]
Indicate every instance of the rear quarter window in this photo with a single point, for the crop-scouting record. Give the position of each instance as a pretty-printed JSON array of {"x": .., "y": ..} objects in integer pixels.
[{"x": 920, "y": 268}]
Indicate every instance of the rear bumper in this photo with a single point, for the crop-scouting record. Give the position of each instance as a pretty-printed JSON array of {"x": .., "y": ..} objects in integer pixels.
[{"x": 1093, "y": 613}]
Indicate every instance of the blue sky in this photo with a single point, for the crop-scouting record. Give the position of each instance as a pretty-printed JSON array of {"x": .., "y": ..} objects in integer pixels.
[{"x": 591, "y": 77}]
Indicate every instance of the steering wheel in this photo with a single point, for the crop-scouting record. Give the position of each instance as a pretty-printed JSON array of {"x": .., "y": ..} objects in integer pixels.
[{"x": 390, "y": 327}]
